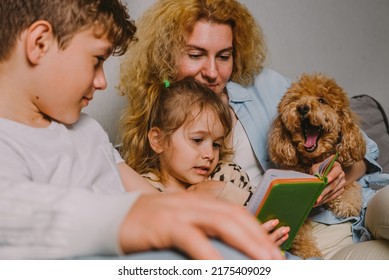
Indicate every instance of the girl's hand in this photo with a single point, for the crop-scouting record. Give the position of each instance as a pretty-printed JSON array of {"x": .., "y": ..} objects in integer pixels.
[
  {"x": 279, "y": 235},
  {"x": 337, "y": 181}
]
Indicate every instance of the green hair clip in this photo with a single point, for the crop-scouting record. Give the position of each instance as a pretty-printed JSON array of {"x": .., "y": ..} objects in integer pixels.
[{"x": 167, "y": 83}]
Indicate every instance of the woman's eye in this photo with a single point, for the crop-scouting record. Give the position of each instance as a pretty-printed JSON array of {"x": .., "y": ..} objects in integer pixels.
[
  {"x": 217, "y": 146},
  {"x": 225, "y": 57},
  {"x": 197, "y": 140},
  {"x": 195, "y": 56}
]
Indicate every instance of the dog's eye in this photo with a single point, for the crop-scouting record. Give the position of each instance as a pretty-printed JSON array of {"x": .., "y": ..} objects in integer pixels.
[{"x": 322, "y": 101}]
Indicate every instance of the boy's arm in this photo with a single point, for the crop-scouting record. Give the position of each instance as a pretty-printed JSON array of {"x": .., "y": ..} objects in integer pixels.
[
  {"x": 132, "y": 181},
  {"x": 40, "y": 220},
  {"x": 55, "y": 222},
  {"x": 47, "y": 221}
]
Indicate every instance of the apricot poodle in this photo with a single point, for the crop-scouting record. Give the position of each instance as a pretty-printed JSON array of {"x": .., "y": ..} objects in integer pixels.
[{"x": 315, "y": 121}]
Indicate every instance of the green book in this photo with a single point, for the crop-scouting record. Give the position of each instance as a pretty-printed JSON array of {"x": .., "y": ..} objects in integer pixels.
[{"x": 289, "y": 196}]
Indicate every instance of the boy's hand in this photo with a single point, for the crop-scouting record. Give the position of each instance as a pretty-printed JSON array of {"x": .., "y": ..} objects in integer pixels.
[{"x": 186, "y": 221}]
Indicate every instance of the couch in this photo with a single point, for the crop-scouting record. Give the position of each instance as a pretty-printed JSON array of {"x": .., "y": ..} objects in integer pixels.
[{"x": 374, "y": 122}]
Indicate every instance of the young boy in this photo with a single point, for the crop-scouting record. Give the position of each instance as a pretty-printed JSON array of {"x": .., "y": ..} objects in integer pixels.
[{"x": 62, "y": 184}]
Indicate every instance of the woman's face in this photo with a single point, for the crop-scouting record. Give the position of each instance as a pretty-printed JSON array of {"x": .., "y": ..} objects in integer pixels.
[{"x": 208, "y": 55}]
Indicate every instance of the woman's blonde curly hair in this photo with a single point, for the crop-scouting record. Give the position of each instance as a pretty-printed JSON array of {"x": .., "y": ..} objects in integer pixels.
[{"x": 162, "y": 34}]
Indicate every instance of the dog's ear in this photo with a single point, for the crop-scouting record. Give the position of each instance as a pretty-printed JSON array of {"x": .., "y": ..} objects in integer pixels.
[
  {"x": 281, "y": 150},
  {"x": 352, "y": 146}
]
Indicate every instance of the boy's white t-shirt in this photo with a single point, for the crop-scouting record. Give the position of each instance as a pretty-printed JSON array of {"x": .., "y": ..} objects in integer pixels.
[{"x": 60, "y": 194}]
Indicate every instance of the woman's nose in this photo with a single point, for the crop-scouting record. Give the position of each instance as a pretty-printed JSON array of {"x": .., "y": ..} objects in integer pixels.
[{"x": 210, "y": 69}]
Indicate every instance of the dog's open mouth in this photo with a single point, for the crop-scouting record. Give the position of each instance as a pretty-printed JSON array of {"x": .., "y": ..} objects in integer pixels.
[{"x": 311, "y": 134}]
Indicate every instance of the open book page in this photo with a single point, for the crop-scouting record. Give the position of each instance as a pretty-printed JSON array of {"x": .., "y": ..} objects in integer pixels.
[{"x": 325, "y": 167}]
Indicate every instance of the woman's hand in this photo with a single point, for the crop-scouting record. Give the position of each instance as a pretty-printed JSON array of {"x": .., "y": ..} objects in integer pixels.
[
  {"x": 279, "y": 235},
  {"x": 337, "y": 181}
]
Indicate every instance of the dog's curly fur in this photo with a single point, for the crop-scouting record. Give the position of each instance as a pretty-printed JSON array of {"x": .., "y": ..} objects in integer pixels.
[{"x": 315, "y": 121}]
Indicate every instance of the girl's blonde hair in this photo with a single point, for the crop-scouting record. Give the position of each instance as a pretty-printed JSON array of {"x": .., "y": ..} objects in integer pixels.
[
  {"x": 163, "y": 31},
  {"x": 175, "y": 106}
]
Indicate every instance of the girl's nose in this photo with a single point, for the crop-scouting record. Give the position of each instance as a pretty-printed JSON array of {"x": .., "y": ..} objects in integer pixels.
[{"x": 208, "y": 153}]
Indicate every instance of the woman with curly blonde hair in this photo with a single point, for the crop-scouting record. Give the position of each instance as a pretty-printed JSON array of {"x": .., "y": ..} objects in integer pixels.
[
  {"x": 219, "y": 43},
  {"x": 163, "y": 32}
]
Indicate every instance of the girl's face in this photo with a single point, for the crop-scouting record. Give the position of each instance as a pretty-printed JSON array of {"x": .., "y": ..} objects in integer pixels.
[
  {"x": 193, "y": 151},
  {"x": 208, "y": 55}
]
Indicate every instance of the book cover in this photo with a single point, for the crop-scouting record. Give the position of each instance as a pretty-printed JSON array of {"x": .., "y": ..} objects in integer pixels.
[{"x": 288, "y": 196}]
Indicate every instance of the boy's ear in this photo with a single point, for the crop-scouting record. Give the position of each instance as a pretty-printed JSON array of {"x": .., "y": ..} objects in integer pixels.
[
  {"x": 155, "y": 136},
  {"x": 38, "y": 40}
]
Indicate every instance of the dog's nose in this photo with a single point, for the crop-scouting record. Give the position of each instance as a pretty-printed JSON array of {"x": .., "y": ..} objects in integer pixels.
[{"x": 303, "y": 109}]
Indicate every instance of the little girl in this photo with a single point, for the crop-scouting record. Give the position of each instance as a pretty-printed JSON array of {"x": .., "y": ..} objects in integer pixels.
[{"x": 187, "y": 142}]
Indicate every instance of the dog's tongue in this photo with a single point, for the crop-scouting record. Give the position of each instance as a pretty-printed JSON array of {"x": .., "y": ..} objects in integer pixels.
[{"x": 311, "y": 135}]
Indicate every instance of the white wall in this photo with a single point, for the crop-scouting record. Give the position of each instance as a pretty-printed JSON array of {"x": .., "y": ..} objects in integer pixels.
[{"x": 346, "y": 39}]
